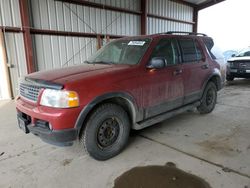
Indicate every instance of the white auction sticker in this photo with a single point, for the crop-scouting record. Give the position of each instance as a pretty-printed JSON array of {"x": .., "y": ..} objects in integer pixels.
[{"x": 136, "y": 43}]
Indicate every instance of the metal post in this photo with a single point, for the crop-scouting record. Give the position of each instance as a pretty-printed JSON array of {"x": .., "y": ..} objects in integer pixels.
[
  {"x": 26, "y": 35},
  {"x": 99, "y": 42},
  {"x": 195, "y": 20},
  {"x": 143, "y": 17},
  {"x": 5, "y": 74}
]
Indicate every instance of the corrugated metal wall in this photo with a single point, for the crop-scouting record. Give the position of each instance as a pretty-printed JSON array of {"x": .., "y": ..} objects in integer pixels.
[
  {"x": 54, "y": 15},
  {"x": 59, "y": 51},
  {"x": 9, "y": 13},
  {"x": 169, "y": 9},
  {"x": 10, "y": 16}
]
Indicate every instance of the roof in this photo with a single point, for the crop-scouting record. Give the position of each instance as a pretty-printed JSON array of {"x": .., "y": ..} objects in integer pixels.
[{"x": 201, "y": 4}]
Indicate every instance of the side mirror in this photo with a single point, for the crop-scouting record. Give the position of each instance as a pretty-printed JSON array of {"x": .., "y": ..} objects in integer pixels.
[
  {"x": 157, "y": 63},
  {"x": 233, "y": 55}
]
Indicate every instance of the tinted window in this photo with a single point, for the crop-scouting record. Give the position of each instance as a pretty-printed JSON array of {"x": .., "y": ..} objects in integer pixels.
[
  {"x": 198, "y": 51},
  {"x": 167, "y": 49},
  {"x": 190, "y": 50},
  {"x": 214, "y": 51}
]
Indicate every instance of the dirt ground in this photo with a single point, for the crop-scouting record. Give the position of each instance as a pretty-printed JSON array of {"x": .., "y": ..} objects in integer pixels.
[{"x": 213, "y": 147}]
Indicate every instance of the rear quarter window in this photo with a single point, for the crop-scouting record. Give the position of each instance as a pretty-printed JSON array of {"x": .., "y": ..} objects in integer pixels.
[
  {"x": 213, "y": 50},
  {"x": 190, "y": 50}
]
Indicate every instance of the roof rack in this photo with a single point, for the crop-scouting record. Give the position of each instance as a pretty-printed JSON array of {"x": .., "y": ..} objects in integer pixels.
[{"x": 183, "y": 32}]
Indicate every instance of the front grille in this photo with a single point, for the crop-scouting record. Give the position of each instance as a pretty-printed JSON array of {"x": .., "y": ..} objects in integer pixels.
[
  {"x": 29, "y": 92},
  {"x": 240, "y": 64},
  {"x": 245, "y": 65}
]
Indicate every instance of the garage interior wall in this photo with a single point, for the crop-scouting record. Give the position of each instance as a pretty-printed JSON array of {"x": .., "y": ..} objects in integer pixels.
[
  {"x": 166, "y": 16},
  {"x": 60, "y": 51},
  {"x": 14, "y": 46},
  {"x": 65, "y": 33}
]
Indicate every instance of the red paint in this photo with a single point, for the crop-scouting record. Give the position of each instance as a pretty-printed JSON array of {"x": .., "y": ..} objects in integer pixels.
[{"x": 148, "y": 87}]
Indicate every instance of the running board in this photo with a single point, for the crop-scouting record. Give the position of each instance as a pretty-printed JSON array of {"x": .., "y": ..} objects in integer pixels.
[{"x": 162, "y": 117}]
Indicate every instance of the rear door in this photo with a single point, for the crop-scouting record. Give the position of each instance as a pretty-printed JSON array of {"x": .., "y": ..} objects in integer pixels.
[
  {"x": 163, "y": 88},
  {"x": 195, "y": 68}
]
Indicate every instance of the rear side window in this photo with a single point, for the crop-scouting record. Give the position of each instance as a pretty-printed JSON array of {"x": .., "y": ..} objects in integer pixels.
[
  {"x": 167, "y": 48},
  {"x": 190, "y": 50},
  {"x": 213, "y": 50}
]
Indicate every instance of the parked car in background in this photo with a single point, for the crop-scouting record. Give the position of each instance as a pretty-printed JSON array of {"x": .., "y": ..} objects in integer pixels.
[
  {"x": 239, "y": 65},
  {"x": 229, "y": 53},
  {"x": 131, "y": 83}
]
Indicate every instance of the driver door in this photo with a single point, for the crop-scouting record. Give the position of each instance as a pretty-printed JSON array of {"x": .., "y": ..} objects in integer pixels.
[{"x": 163, "y": 90}]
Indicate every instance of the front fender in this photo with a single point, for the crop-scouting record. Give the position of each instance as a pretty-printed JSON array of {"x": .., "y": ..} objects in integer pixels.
[{"x": 90, "y": 106}]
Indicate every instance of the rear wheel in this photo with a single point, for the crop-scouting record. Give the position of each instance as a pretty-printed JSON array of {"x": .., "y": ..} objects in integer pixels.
[
  {"x": 229, "y": 78},
  {"x": 209, "y": 99},
  {"x": 106, "y": 132}
]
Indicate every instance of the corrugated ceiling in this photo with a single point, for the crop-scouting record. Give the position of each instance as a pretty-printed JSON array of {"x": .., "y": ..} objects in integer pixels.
[{"x": 197, "y": 2}]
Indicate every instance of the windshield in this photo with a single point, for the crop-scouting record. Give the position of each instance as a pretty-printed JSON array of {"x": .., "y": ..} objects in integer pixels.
[
  {"x": 127, "y": 52},
  {"x": 243, "y": 53}
]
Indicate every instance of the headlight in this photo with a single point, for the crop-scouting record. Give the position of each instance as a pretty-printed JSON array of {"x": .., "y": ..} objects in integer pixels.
[
  {"x": 59, "y": 98},
  {"x": 230, "y": 64}
]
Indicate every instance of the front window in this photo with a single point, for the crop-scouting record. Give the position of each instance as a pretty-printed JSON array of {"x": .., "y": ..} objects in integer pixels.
[
  {"x": 244, "y": 53},
  {"x": 128, "y": 52},
  {"x": 167, "y": 49}
]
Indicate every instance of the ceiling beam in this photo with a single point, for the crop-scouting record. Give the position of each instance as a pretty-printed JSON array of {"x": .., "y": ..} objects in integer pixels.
[{"x": 208, "y": 4}]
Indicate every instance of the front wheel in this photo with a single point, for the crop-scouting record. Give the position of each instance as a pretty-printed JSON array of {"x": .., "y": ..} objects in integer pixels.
[
  {"x": 208, "y": 99},
  {"x": 106, "y": 132}
]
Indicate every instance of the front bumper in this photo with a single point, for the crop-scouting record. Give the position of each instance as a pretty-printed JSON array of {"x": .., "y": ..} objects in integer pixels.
[
  {"x": 238, "y": 73},
  {"x": 54, "y": 126}
]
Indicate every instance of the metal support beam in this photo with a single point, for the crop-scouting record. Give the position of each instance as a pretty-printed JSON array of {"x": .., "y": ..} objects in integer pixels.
[
  {"x": 71, "y": 34},
  {"x": 169, "y": 19},
  {"x": 11, "y": 29},
  {"x": 26, "y": 35},
  {"x": 143, "y": 17},
  {"x": 99, "y": 42},
  {"x": 4, "y": 70},
  {"x": 209, "y": 4},
  {"x": 195, "y": 20}
]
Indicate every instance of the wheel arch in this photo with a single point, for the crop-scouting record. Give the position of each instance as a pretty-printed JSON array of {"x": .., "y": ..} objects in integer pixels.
[
  {"x": 124, "y": 100},
  {"x": 215, "y": 77}
]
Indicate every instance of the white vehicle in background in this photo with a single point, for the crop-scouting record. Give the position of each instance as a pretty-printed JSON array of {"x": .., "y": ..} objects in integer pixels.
[{"x": 239, "y": 65}]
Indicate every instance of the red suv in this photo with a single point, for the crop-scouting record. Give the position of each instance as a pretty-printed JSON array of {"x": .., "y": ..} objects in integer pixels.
[{"x": 131, "y": 83}]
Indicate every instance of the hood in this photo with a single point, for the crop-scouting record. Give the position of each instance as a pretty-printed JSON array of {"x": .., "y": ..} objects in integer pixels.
[
  {"x": 245, "y": 58},
  {"x": 64, "y": 73}
]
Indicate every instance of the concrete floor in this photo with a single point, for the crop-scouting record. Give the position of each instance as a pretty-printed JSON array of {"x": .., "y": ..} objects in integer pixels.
[{"x": 215, "y": 147}]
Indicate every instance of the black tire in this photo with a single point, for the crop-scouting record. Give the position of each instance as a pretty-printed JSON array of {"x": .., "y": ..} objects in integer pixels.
[
  {"x": 107, "y": 132},
  {"x": 208, "y": 99},
  {"x": 229, "y": 78}
]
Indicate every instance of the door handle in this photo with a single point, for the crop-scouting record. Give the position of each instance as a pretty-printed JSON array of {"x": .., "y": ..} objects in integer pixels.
[
  {"x": 205, "y": 66},
  {"x": 177, "y": 72}
]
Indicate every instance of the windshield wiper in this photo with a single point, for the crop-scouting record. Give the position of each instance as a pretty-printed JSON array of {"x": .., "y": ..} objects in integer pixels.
[
  {"x": 103, "y": 62},
  {"x": 87, "y": 62}
]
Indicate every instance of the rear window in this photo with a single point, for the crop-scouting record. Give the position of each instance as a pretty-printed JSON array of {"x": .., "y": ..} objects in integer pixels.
[
  {"x": 212, "y": 49},
  {"x": 190, "y": 50}
]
